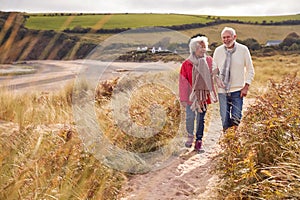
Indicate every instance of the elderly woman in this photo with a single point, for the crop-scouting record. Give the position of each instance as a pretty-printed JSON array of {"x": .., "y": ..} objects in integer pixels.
[{"x": 196, "y": 89}]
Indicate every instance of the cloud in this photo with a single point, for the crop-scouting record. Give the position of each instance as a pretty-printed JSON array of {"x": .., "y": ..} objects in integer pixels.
[{"x": 207, "y": 7}]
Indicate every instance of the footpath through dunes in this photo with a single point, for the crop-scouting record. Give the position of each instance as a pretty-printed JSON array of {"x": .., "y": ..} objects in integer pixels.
[{"x": 189, "y": 176}]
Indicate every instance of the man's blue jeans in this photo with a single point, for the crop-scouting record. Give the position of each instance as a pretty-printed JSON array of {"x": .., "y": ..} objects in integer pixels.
[
  {"x": 190, "y": 120},
  {"x": 231, "y": 105}
]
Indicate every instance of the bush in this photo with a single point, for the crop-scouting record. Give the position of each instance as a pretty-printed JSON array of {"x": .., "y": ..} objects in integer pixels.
[
  {"x": 290, "y": 40},
  {"x": 294, "y": 47},
  {"x": 252, "y": 44}
]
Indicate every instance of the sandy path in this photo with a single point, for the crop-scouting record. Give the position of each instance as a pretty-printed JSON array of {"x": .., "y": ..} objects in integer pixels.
[{"x": 188, "y": 177}]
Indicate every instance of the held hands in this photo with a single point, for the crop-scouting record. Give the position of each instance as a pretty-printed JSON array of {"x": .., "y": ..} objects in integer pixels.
[
  {"x": 217, "y": 79},
  {"x": 219, "y": 82}
]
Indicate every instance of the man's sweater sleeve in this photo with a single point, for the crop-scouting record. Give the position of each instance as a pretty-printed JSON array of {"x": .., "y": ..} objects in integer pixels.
[
  {"x": 249, "y": 68},
  {"x": 215, "y": 63}
]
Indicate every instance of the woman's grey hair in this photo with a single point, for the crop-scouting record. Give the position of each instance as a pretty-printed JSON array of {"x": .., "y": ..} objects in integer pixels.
[
  {"x": 228, "y": 29},
  {"x": 194, "y": 43}
]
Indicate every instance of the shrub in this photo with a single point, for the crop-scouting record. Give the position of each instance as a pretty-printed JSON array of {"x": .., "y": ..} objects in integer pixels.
[
  {"x": 290, "y": 40},
  {"x": 252, "y": 44},
  {"x": 294, "y": 47}
]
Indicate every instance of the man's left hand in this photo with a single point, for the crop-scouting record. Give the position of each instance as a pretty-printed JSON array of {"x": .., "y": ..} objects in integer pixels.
[{"x": 244, "y": 91}]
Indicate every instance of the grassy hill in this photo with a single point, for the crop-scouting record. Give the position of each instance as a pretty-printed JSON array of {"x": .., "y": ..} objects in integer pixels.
[
  {"x": 110, "y": 21},
  {"x": 61, "y": 21},
  {"x": 19, "y": 43},
  {"x": 45, "y": 36},
  {"x": 251, "y": 27}
]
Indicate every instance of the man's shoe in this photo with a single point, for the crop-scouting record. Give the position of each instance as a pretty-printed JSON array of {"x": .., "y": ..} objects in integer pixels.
[{"x": 189, "y": 141}]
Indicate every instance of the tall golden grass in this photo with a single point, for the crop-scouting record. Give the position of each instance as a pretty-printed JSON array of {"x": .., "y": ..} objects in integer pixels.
[
  {"x": 143, "y": 102},
  {"x": 261, "y": 159},
  {"x": 41, "y": 154}
]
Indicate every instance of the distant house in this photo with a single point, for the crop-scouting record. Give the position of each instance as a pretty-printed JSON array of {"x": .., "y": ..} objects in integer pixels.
[
  {"x": 272, "y": 43},
  {"x": 143, "y": 49},
  {"x": 160, "y": 50}
]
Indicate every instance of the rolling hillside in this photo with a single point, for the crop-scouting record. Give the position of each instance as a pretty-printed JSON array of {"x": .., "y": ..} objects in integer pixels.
[
  {"x": 68, "y": 36},
  {"x": 61, "y": 21}
]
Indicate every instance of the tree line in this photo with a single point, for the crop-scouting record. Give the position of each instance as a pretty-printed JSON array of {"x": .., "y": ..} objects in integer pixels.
[{"x": 79, "y": 29}]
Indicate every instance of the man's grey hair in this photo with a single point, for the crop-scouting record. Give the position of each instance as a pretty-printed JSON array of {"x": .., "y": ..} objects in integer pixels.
[
  {"x": 194, "y": 43},
  {"x": 228, "y": 29}
]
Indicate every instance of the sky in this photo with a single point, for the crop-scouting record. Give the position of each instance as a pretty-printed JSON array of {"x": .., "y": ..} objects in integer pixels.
[{"x": 199, "y": 7}]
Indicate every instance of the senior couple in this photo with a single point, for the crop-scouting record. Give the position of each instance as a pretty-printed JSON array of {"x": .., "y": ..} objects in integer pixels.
[{"x": 230, "y": 68}]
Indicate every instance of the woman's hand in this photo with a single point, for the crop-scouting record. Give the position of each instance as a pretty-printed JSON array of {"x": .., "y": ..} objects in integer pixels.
[
  {"x": 183, "y": 103},
  {"x": 219, "y": 82}
]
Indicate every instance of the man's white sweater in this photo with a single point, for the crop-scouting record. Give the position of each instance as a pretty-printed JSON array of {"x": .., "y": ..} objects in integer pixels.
[{"x": 241, "y": 69}]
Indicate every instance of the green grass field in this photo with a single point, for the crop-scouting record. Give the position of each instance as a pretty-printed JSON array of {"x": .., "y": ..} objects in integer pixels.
[{"x": 111, "y": 21}]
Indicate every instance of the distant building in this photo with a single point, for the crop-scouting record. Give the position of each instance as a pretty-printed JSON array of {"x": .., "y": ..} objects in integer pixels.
[
  {"x": 143, "y": 49},
  {"x": 160, "y": 50},
  {"x": 272, "y": 43},
  {"x": 153, "y": 50}
]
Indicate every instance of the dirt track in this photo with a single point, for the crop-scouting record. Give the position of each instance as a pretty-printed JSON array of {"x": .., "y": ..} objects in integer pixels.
[{"x": 188, "y": 177}]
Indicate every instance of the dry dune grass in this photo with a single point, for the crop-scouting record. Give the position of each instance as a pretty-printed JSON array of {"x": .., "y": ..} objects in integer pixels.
[
  {"x": 261, "y": 159},
  {"x": 43, "y": 157},
  {"x": 49, "y": 162},
  {"x": 145, "y": 104}
]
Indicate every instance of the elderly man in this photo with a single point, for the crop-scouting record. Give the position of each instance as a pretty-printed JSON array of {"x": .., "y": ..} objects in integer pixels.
[{"x": 233, "y": 64}]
